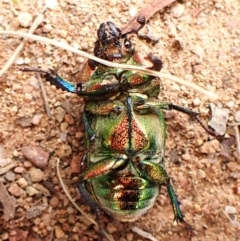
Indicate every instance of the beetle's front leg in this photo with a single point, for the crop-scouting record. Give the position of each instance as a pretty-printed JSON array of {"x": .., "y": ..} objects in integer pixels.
[{"x": 157, "y": 174}]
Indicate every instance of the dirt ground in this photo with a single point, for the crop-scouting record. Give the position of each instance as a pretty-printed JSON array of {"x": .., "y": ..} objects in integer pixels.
[{"x": 198, "y": 41}]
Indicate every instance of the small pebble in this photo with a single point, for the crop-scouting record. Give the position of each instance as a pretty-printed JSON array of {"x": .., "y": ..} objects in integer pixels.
[
  {"x": 36, "y": 155},
  {"x": 31, "y": 191},
  {"x": 112, "y": 2},
  {"x": 15, "y": 190},
  {"x": 19, "y": 61},
  {"x": 63, "y": 127},
  {"x": 22, "y": 182},
  {"x": 10, "y": 176},
  {"x": 36, "y": 119},
  {"x": 186, "y": 157},
  {"x": 36, "y": 175},
  {"x": 59, "y": 114},
  {"x": 230, "y": 210},
  {"x": 201, "y": 174},
  {"x": 47, "y": 28},
  {"x": 13, "y": 110},
  {"x": 210, "y": 147},
  {"x": 34, "y": 82},
  {"x": 63, "y": 33},
  {"x": 129, "y": 236},
  {"x": 69, "y": 119},
  {"x": 111, "y": 228},
  {"x": 233, "y": 166},
  {"x": 19, "y": 169},
  {"x": 196, "y": 101},
  {"x": 64, "y": 151},
  {"x": 230, "y": 104},
  {"x": 237, "y": 116},
  {"x": 59, "y": 232},
  {"x": 25, "y": 19},
  {"x": 132, "y": 11},
  {"x": 54, "y": 201},
  {"x": 199, "y": 51},
  {"x": 219, "y": 119},
  {"x": 4, "y": 236},
  {"x": 177, "y": 10}
]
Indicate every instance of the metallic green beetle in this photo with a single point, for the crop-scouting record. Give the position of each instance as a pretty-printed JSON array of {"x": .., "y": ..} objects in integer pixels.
[{"x": 125, "y": 129}]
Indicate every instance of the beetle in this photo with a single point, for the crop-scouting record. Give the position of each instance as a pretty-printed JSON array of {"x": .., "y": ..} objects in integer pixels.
[{"x": 125, "y": 131}]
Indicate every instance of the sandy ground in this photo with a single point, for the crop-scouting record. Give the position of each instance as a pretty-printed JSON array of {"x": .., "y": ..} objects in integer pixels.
[{"x": 198, "y": 42}]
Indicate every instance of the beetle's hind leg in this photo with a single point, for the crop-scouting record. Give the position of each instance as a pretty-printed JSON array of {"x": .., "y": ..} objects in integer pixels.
[{"x": 54, "y": 79}]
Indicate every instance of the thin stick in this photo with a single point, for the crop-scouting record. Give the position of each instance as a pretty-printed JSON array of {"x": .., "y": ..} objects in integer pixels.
[
  {"x": 34, "y": 26},
  {"x": 76, "y": 206},
  {"x": 237, "y": 136},
  {"x": 44, "y": 95},
  {"x": 209, "y": 94}
]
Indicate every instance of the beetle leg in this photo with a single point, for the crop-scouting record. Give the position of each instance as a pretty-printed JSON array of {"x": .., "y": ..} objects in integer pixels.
[
  {"x": 169, "y": 106},
  {"x": 157, "y": 174},
  {"x": 101, "y": 167},
  {"x": 90, "y": 133},
  {"x": 54, "y": 79}
]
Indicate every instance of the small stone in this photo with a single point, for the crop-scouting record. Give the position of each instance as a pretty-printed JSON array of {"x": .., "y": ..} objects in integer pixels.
[
  {"x": 210, "y": 147},
  {"x": 36, "y": 155},
  {"x": 233, "y": 166},
  {"x": 25, "y": 19},
  {"x": 59, "y": 232},
  {"x": 196, "y": 101},
  {"x": 15, "y": 190},
  {"x": 15, "y": 153},
  {"x": 54, "y": 201},
  {"x": 199, "y": 51},
  {"x": 237, "y": 116},
  {"x": 63, "y": 127},
  {"x": 79, "y": 135},
  {"x": 201, "y": 174},
  {"x": 186, "y": 157},
  {"x": 64, "y": 151},
  {"x": 24, "y": 121},
  {"x": 13, "y": 110},
  {"x": 4, "y": 236},
  {"x": 51, "y": 4},
  {"x": 36, "y": 175},
  {"x": 31, "y": 191},
  {"x": 36, "y": 119},
  {"x": 59, "y": 114},
  {"x": 63, "y": 33},
  {"x": 230, "y": 104},
  {"x": 19, "y": 170},
  {"x": 129, "y": 236},
  {"x": 112, "y": 2},
  {"x": 34, "y": 82},
  {"x": 132, "y": 11},
  {"x": 230, "y": 210},
  {"x": 19, "y": 61},
  {"x": 22, "y": 182},
  {"x": 219, "y": 119},
  {"x": 70, "y": 210},
  {"x": 177, "y": 10},
  {"x": 10, "y": 176},
  {"x": 69, "y": 119},
  {"x": 111, "y": 228},
  {"x": 47, "y": 28}
]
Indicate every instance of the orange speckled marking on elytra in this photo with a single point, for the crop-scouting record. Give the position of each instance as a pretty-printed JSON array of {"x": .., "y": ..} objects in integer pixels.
[
  {"x": 136, "y": 79},
  {"x": 120, "y": 139}
]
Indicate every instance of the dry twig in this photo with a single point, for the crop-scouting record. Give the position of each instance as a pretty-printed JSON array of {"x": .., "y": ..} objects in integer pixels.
[
  {"x": 147, "y": 11},
  {"x": 209, "y": 94},
  {"x": 34, "y": 26}
]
